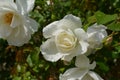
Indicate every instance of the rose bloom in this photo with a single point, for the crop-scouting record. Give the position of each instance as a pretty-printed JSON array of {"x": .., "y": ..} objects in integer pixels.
[
  {"x": 66, "y": 39},
  {"x": 15, "y": 25},
  {"x": 81, "y": 71},
  {"x": 96, "y": 35}
]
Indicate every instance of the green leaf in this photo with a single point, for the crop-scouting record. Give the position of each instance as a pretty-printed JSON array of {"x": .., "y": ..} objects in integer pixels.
[
  {"x": 17, "y": 78},
  {"x": 62, "y": 70},
  {"x": 33, "y": 57},
  {"x": 29, "y": 61},
  {"x": 103, "y": 66},
  {"x": 104, "y": 18},
  {"x": 91, "y": 19},
  {"x": 114, "y": 26}
]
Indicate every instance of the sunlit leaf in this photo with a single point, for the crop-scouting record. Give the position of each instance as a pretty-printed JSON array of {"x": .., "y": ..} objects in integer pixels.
[
  {"x": 114, "y": 26},
  {"x": 104, "y": 18}
]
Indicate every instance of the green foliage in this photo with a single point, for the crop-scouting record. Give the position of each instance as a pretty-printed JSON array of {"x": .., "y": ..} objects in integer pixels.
[
  {"x": 114, "y": 26},
  {"x": 103, "y": 66},
  {"x": 109, "y": 20},
  {"x": 104, "y": 18},
  {"x": 33, "y": 58},
  {"x": 101, "y": 18}
]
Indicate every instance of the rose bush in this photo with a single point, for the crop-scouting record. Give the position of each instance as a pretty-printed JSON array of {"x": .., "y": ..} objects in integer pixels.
[{"x": 26, "y": 63}]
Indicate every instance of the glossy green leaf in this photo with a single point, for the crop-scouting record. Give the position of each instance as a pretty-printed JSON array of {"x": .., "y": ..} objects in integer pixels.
[
  {"x": 114, "y": 26},
  {"x": 104, "y": 18}
]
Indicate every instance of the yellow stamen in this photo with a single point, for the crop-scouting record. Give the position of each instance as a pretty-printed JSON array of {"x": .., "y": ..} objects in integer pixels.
[{"x": 8, "y": 18}]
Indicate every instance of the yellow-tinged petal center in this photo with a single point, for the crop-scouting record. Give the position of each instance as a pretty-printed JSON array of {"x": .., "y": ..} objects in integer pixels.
[
  {"x": 66, "y": 41},
  {"x": 8, "y": 18}
]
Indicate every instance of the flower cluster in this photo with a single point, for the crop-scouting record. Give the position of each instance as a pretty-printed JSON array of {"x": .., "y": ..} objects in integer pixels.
[
  {"x": 15, "y": 25},
  {"x": 67, "y": 39}
]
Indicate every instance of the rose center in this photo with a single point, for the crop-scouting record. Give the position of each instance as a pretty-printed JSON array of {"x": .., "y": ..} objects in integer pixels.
[
  {"x": 65, "y": 41},
  {"x": 8, "y": 18}
]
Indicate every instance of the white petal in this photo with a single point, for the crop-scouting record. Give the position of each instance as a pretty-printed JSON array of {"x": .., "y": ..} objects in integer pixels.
[
  {"x": 94, "y": 76},
  {"x": 18, "y": 36},
  {"x": 73, "y": 74},
  {"x": 84, "y": 45},
  {"x": 32, "y": 25},
  {"x": 93, "y": 65},
  {"x": 50, "y": 29},
  {"x": 87, "y": 77},
  {"x": 99, "y": 31},
  {"x": 22, "y": 30},
  {"x": 81, "y": 34},
  {"x": 7, "y": 6},
  {"x": 90, "y": 50},
  {"x": 68, "y": 57},
  {"x": 16, "y": 20},
  {"x": 75, "y": 52},
  {"x": 82, "y": 62},
  {"x": 82, "y": 37},
  {"x": 5, "y": 31},
  {"x": 50, "y": 51},
  {"x": 25, "y": 6},
  {"x": 78, "y": 50},
  {"x": 70, "y": 22},
  {"x": 74, "y": 19},
  {"x": 96, "y": 27},
  {"x": 7, "y": 0}
]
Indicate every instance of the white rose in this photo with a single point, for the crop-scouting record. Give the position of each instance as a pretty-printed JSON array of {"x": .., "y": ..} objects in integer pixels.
[
  {"x": 66, "y": 39},
  {"x": 96, "y": 34},
  {"x": 81, "y": 71},
  {"x": 15, "y": 26}
]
